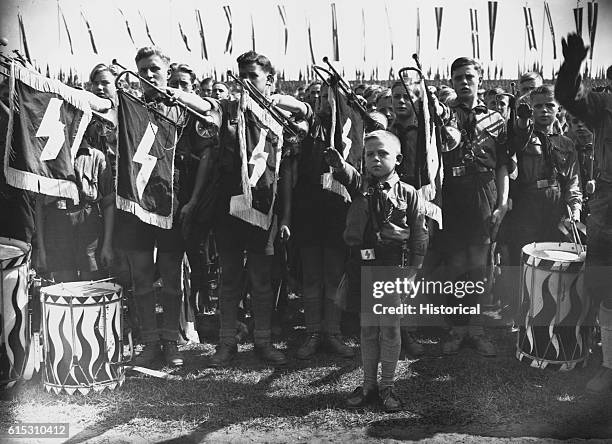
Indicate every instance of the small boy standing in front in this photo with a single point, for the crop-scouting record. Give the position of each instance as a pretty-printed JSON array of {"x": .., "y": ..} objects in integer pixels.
[{"x": 386, "y": 221}]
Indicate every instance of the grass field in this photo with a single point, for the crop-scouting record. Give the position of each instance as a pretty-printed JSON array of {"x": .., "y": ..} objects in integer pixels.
[{"x": 463, "y": 398}]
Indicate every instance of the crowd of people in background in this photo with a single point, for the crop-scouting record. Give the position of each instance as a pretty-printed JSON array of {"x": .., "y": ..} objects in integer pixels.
[{"x": 525, "y": 156}]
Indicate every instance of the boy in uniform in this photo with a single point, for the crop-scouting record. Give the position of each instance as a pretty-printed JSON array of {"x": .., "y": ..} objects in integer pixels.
[
  {"x": 474, "y": 196},
  {"x": 386, "y": 217}
]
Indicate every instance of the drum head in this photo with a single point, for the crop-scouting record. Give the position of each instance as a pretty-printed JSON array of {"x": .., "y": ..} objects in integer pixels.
[
  {"x": 10, "y": 252},
  {"x": 81, "y": 289},
  {"x": 555, "y": 251}
]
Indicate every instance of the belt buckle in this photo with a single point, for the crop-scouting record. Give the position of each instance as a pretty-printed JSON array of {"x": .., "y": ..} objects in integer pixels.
[
  {"x": 60, "y": 204},
  {"x": 459, "y": 171},
  {"x": 368, "y": 254}
]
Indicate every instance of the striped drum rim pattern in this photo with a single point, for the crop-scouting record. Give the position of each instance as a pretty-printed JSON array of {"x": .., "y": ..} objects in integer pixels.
[{"x": 13, "y": 253}]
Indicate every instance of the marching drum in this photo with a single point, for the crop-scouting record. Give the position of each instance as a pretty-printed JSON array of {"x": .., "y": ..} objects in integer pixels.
[
  {"x": 82, "y": 328},
  {"x": 15, "y": 364},
  {"x": 553, "y": 306}
]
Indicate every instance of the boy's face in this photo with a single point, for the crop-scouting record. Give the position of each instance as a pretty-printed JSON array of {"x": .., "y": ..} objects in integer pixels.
[
  {"x": 323, "y": 108},
  {"x": 544, "y": 109},
  {"x": 256, "y": 75},
  {"x": 206, "y": 89},
  {"x": 401, "y": 103},
  {"x": 220, "y": 91},
  {"x": 380, "y": 159},
  {"x": 466, "y": 81},
  {"x": 385, "y": 106},
  {"x": 103, "y": 85},
  {"x": 578, "y": 127},
  {"x": 528, "y": 85},
  {"x": 181, "y": 80},
  {"x": 155, "y": 70}
]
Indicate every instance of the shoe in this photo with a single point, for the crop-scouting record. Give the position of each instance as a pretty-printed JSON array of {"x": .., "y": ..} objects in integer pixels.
[
  {"x": 360, "y": 398},
  {"x": 601, "y": 383},
  {"x": 270, "y": 355},
  {"x": 483, "y": 346},
  {"x": 390, "y": 401},
  {"x": 172, "y": 355},
  {"x": 223, "y": 355},
  {"x": 335, "y": 344},
  {"x": 309, "y": 347},
  {"x": 453, "y": 343},
  {"x": 411, "y": 346},
  {"x": 149, "y": 354}
]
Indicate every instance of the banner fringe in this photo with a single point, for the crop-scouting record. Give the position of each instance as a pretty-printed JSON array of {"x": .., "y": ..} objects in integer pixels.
[{"x": 132, "y": 207}]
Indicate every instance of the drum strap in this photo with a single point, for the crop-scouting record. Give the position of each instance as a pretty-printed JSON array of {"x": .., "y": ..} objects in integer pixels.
[{"x": 154, "y": 373}]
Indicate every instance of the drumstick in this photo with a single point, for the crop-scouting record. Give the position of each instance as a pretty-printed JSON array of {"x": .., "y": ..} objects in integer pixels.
[{"x": 575, "y": 232}]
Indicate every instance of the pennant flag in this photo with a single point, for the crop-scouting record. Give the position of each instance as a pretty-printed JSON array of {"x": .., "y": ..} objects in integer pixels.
[
  {"x": 66, "y": 27},
  {"x": 501, "y": 73},
  {"x": 552, "y": 29},
  {"x": 418, "y": 33},
  {"x": 578, "y": 14},
  {"x": 260, "y": 139},
  {"x": 346, "y": 136},
  {"x": 492, "y": 22},
  {"x": 147, "y": 28},
  {"x": 390, "y": 32},
  {"x": 475, "y": 38},
  {"x": 592, "y": 23},
  {"x": 312, "y": 56},
  {"x": 147, "y": 142},
  {"x": 24, "y": 40},
  {"x": 91, "y": 37},
  {"x": 363, "y": 34},
  {"x": 127, "y": 26},
  {"x": 252, "y": 32},
  {"x": 228, "y": 42},
  {"x": 184, "y": 37},
  {"x": 336, "y": 47},
  {"x": 47, "y": 121},
  {"x": 531, "y": 41},
  {"x": 283, "y": 15},
  {"x": 439, "y": 10},
  {"x": 204, "y": 52}
]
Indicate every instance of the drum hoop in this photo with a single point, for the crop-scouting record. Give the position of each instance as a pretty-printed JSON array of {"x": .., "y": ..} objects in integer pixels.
[{"x": 565, "y": 247}]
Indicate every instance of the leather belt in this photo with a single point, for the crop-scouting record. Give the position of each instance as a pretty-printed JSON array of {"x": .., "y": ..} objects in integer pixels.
[{"x": 464, "y": 170}]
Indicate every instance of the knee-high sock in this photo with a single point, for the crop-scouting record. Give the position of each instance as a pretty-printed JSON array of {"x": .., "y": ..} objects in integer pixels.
[{"x": 605, "y": 321}]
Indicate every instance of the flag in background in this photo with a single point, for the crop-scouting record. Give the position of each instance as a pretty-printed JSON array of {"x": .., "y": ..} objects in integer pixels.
[
  {"x": 363, "y": 34},
  {"x": 127, "y": 26},
  {"x": 475, "y": 38},
  {"x": 147, "y": 143},
  {"x": 203, "y": 50},
  {"x": 439, "y": 10},
  {"x": 552, "y": 29},
  {"x": 59, "y": 8},
  {"x": 24, "y": 40},
  {"x": 228, "y": 42},
  {"x": 592, "y": 24},
  {"x": 531, "y": 40},
  {"x": 91, "y": 37},
  {"x": 260, "y": 139},
  {"x": 312, "y": 56},
  {"x": 283, "y": 15},
  {"x": 418, "y": 32},
  {"x": 578, "y": 14},
  {"x": 44, "y": 134},
  {"x": 147, "y": 28},
  {"x": 335, "y": 44},
  {"x": 492, "y": 23},
  {"x": 390, "y": 32},
  {"x": 252, "y": 32},
  {"x": 184, "y": 37}
]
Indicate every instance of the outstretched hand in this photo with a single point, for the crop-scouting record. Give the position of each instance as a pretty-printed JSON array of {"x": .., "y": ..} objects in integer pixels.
[
  {"x": 574, "y": 49},
  {"x": 333, "y": 158}
]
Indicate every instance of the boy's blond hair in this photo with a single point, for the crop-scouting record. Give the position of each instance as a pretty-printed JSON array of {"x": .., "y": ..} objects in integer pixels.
[{"x": 389, "y": 140}]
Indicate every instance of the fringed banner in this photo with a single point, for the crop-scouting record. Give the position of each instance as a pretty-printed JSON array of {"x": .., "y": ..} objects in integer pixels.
[
  {"x": 47, "y": 120},
  {"x": 260, "y": 139},
  {"x": 439, "y": 10},
  {"x": 229, "y": 46},
  {"x": 492, "y": 23},
  {"x": 203, "y": 50}
]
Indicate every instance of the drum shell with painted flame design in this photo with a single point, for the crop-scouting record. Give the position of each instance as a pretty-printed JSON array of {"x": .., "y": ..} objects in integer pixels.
[
  {"x": 554, "y": 309},
  {"x": 82, "y": 327},
  {"x": 14, "y": 313}
]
